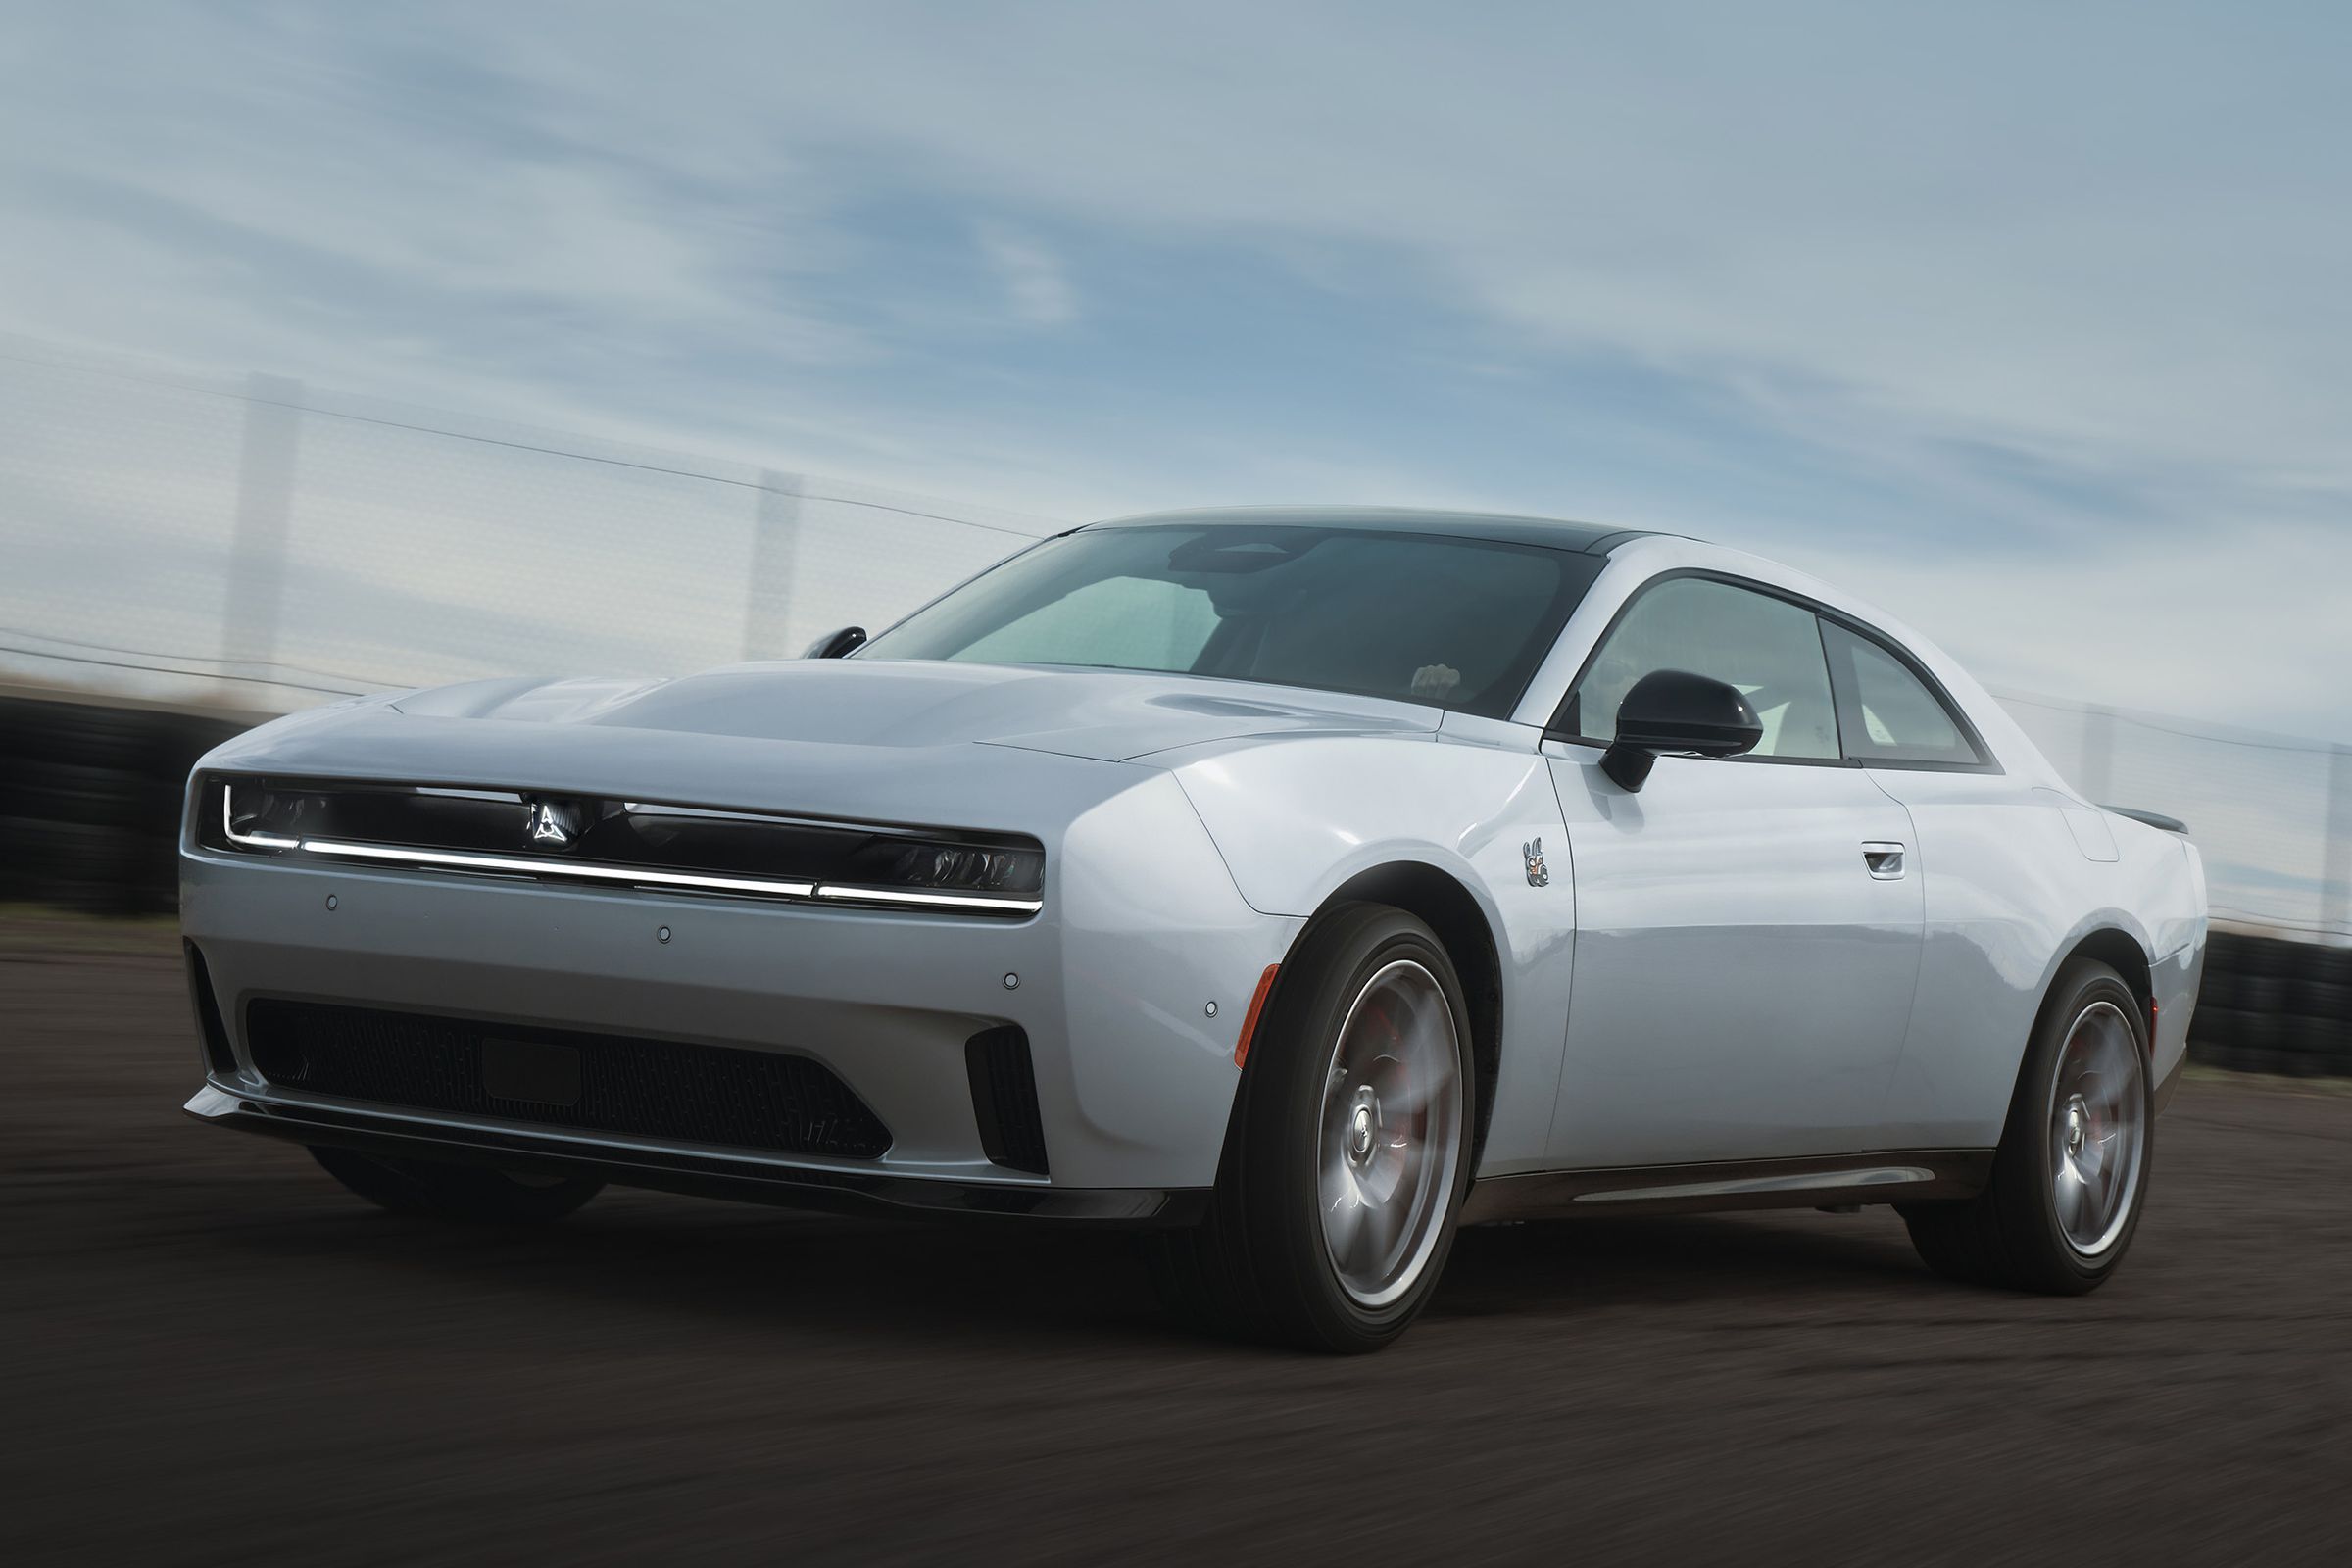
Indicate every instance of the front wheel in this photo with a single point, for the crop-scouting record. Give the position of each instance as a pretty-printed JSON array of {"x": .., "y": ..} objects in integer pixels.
[
  {"x": 1348, "y": 1154},
  {"x": 465, "y": 1193},
  {"x": 2071, "y": 1173}
]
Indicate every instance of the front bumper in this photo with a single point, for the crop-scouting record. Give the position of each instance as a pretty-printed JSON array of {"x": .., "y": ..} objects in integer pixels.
[
  {"x": 701, "y": 1175},
  {"x": 1133, "y": 1070}
]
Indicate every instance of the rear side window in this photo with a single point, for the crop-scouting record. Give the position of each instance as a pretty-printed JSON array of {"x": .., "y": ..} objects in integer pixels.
[{"x": 1888, "y": 714}]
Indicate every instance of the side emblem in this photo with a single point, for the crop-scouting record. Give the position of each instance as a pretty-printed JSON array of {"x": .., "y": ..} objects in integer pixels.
[
  {"x": 551, "y": 825},
  {"x": 1538, "y": 875}
]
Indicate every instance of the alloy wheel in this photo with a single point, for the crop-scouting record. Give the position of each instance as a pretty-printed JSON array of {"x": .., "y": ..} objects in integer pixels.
[
  {"x": 1390, "y": 1133},
  {"x": 2097, "y": 1129}
]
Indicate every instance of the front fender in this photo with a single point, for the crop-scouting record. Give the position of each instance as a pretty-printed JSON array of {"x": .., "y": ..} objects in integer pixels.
[{"x": 1297, "y": 819}]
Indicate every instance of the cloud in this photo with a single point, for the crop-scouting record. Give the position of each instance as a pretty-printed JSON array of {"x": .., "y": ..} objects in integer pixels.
[
  {"x": 2028, "y": 320},
  {"x": 1035, "y": 285}
]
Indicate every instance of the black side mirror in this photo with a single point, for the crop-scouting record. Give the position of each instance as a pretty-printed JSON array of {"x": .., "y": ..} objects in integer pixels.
[
  {"x": 834, "y": 644},
  {"x": 1675, "y": 710}
]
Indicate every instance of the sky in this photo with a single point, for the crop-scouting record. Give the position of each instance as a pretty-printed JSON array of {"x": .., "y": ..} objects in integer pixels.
[{"x": 2031, "y": 324}]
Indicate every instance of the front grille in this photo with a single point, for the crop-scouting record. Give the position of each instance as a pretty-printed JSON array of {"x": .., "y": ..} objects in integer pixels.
[
  {"x": 614, "y": 844},
  {"x": 654, "y": 1089},
  {"x": 1012, "y": 1131}
]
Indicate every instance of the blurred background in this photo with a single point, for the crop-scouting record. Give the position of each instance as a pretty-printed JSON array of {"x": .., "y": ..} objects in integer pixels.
[
  {"x": 344, "y": 349},
  {"x": 234, "y": 546}
]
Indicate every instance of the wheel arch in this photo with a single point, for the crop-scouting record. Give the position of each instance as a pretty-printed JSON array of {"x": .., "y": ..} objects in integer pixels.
[
  {"x": 2119, "y": 950},
  {"x": 1440, "y": 901}
]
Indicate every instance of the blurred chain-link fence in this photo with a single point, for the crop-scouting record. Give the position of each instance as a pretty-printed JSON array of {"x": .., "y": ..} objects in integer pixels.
[
  {"x": 259, "y": 544},
  {"x": 267, "y": 544},
  {"x": 2270, "y": 813}
]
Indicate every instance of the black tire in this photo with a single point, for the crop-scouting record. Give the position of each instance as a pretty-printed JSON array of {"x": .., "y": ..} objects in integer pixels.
[
  {"x": 2218, "y": 989},
  {"x": 1260, "y": 1266},
  {"x": 2009, "y": 1234},
  {"x": 468, "y": 1194},
  {"x": 2266, "y": 957},
  {"x": 2261, "y": 993},
  {"x": 2321, "y": 999},
  {"x": 2314, "y": 1046},
  {"x": 2263, "y": 1031}
]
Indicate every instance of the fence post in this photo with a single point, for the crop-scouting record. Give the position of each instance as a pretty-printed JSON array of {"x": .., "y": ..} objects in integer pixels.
[
  {"x": 257, "y": 556},
  {"x": 775, "y": 556},
  {"x": 2336, "y": 855}
]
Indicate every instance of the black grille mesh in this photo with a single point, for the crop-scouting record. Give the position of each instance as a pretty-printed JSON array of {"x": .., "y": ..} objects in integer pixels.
[
  {"x": 656, "y": 1089},
  {"x": 1012, "y": 1131}
]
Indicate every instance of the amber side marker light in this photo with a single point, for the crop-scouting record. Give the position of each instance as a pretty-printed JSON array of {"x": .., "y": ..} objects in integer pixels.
[{"x": 1258, "y": 1004}]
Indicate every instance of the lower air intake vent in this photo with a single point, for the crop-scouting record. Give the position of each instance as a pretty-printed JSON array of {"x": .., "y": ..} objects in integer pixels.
[
  {"x": 219, "y": 1054},
  {"x": 656, "y": 1088},
  {"x": 1005, "y": 1099}
]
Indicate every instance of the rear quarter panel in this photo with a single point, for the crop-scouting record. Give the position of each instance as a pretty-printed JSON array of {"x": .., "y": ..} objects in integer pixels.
[{"x": 2013, "y": 886}]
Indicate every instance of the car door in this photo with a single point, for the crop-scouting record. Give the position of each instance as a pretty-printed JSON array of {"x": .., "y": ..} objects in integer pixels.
[
  {"x": 1748, "y": 929},
  {"x": 1995, "y": 841}
]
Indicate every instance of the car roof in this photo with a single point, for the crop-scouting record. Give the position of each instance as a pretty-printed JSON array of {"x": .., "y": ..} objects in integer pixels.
[{"x": 1585, "y": 538}]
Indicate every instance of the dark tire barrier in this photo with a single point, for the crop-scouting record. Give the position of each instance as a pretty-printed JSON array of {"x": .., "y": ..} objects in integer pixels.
[
  {"x": 2276, "y": 1007},
  {"x": 89, "y": 801}
]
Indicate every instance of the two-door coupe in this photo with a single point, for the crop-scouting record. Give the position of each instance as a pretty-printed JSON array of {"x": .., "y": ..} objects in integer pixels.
[{"x": 1294, "y": 885}]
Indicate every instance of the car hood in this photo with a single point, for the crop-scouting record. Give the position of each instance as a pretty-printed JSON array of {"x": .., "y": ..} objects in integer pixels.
[{"x": 1109, "y": 715}]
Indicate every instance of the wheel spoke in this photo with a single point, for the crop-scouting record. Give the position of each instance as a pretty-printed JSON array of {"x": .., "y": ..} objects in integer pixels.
[
  {"x": 1361, "y": 1254},
  {"x": 1338, "y": 1186},
  {"x": 1411, "y": 1093},
  {"x": 1376, "y": 1177},
  {"x": 2117, "y": 1062},
  {"x": 2075, "y": 1201},
  {"x": 1341, "y": 1221},
  {"x": 1383, "y": 1225},
  {"x": 1428, "y": 1028}
]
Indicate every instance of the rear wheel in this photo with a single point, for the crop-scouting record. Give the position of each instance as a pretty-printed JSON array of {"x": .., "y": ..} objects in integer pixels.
[
  {"x": 468, "y": 1193},
  {"x": 1348, "y": 1154},
  {"x": 2071, "y": 1173}
]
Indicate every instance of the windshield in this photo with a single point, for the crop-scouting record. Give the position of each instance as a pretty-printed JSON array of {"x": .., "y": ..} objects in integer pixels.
[{"x": 1459, "y": 623}]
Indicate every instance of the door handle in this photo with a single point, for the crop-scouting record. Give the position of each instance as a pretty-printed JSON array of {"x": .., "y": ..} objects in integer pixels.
[{"x": 1884, "y": 859}]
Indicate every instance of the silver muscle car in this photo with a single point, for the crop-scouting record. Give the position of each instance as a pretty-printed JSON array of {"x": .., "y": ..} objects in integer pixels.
[{"x": 1295, "y": 886}]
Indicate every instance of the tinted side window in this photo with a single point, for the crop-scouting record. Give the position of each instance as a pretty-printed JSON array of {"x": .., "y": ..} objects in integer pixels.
[
  {"x": 1889, "y": 714},
  {"x": 1768, "y": 648}
]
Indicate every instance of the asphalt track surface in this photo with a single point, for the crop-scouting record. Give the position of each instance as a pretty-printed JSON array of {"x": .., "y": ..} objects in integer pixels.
[{"x": 213, "y": 1354}]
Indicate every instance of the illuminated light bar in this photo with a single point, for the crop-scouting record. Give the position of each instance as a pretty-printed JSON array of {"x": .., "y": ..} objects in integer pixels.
[
  {"x": 458, "y": 860},
  {"x": 258, "y": 841},
  {"x": 614, "y": 871}
]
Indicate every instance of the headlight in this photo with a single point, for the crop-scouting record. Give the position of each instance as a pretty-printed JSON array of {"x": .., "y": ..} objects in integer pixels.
[{"x": 968, "y": 868}]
